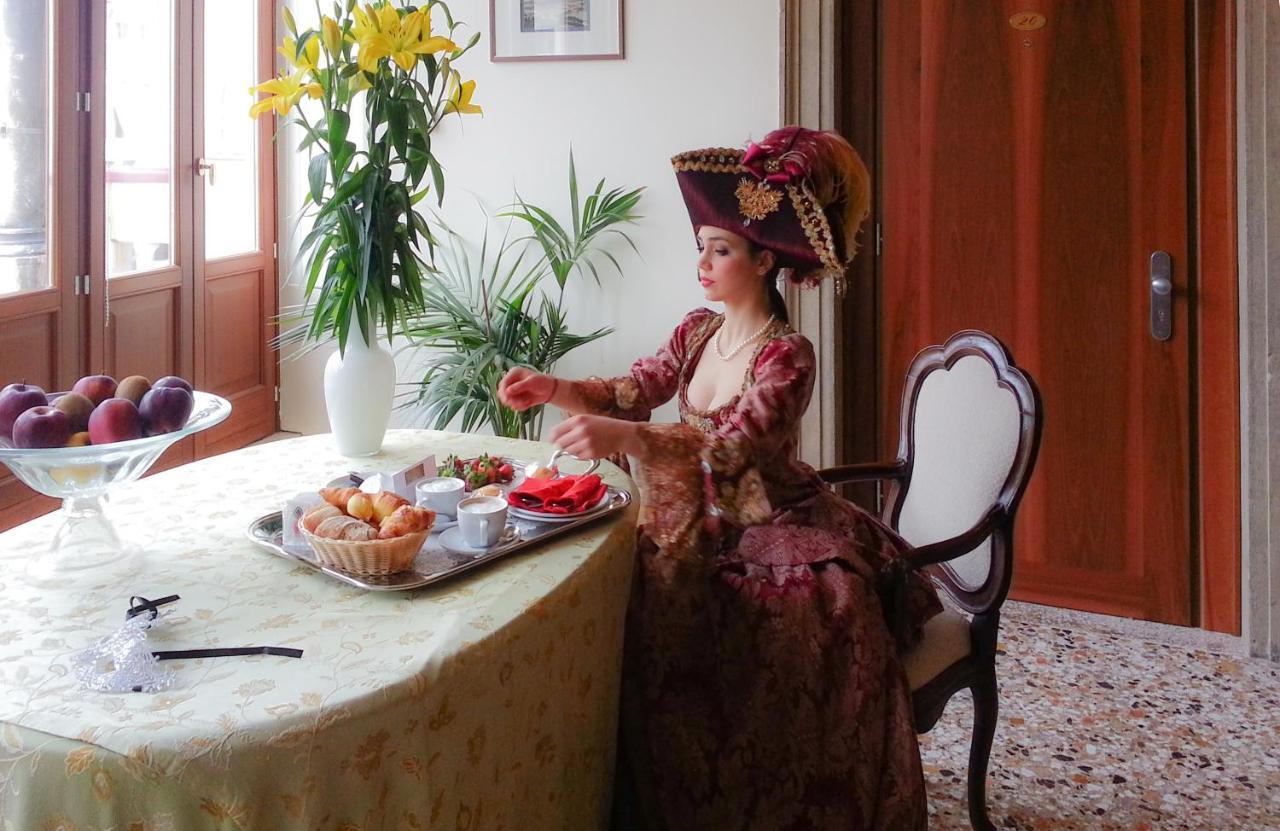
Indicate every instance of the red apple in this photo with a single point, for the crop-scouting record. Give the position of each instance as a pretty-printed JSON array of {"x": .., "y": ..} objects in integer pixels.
[
  {"x": 96, "y": 388},
  {"x": 115, "y": 419},
  {"x": 165, "y": 409},
  {"x": 42, "y": 427},
  {"x": 15, "y": 400},
  {"x": 173, "y": 381}
]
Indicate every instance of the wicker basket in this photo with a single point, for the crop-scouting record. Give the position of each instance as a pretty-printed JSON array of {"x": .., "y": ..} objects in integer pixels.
[{"x": 372, "y": 557}]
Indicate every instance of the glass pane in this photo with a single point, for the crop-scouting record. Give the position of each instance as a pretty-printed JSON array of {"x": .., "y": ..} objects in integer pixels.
[
  {"x": 230, "y": 136},
  {"x": 24, "y": 146},
  {"x": 139, "y": 113}
]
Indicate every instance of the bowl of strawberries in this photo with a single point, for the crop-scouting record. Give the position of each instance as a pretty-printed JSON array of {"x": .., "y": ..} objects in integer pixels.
[{"x": 481, "y": 471}]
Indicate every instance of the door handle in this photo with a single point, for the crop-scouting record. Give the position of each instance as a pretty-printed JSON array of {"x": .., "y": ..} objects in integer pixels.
[
  {"x": 204, "y": 168},
  {"x": 1160, "y": 273}
]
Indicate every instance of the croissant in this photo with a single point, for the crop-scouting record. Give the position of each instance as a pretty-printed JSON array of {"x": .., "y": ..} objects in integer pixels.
[
  {"x": 406, "y": 520},
  {"x": 346, "y": 528},
  {"x": 338, "y": 497},
  {"x": 312, "y": 518},
  {"x": 385, "y": 504}
]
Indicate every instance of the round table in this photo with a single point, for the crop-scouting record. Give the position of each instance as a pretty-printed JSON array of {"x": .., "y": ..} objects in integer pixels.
[{"x": 486, "y": 702}]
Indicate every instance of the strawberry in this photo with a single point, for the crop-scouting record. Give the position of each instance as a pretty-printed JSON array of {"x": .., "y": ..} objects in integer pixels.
[{"x": 505, "y": 472}]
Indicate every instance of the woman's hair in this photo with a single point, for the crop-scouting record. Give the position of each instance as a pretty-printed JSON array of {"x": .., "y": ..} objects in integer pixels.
[{"x": 777, "y": 304}]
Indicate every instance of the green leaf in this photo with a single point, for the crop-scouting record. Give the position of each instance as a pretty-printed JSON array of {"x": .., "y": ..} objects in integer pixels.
[
  {"x": 437, "y": 175},
  {"x": 339, "y": 124},
  {"x": 317, "y": 174}
]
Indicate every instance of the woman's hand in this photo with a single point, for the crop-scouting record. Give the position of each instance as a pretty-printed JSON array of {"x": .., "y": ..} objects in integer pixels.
[
  {"x": 523, "y": 388},
  {"x": 595, "y": 437}
]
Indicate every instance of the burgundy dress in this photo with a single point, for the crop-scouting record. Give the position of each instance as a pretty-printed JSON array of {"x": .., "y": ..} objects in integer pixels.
[{"x": 762, "y": 688}]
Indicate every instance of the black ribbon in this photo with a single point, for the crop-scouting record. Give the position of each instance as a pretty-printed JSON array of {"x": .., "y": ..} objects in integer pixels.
[{"x": 139, "y": 605}]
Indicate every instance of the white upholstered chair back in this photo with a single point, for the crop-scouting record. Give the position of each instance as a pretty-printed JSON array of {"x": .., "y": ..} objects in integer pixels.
[{"x": 966, "y": 430}]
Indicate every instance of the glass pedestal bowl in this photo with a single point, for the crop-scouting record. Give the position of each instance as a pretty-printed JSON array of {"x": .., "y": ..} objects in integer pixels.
[{"x": 81, "y": 478}]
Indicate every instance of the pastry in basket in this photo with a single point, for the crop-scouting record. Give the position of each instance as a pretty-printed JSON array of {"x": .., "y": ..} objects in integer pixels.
[
  {"x": 312, "y": 518},
  {"x": 386, "y": 503},
  {"x": 346, "y": 528},
  {"x": 406, "y": 519},
  {"x": 338, "y": 497},
  {"x": 487, "y": 490}
]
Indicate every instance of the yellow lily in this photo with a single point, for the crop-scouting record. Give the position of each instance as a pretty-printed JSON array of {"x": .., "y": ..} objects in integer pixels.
[
  {"x": 283, "y": 91},
  {"x": 309, "y": 57},
  {"x": 409, "y": 38},
  {"x": 369, "y": 21},
  {"x": 331, "y": 34},
  {"x": 459, "y": 96}
]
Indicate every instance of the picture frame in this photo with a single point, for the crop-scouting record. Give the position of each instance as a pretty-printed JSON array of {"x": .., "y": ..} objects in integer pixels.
[{"x": 555, "y": 30}]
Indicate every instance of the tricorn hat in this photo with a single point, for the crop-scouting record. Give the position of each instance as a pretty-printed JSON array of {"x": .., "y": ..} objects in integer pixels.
[{"x": 800, "y": 193}]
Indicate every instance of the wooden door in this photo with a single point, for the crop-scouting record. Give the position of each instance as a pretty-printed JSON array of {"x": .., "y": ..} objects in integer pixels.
[
  {"x": 234, "y": 221},
  {"x": 1033, "y": 156},
  {"x": 42, "y": 135}
]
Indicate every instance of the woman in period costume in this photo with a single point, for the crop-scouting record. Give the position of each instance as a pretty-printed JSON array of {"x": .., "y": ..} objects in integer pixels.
[{"x": 761, "y": 687}]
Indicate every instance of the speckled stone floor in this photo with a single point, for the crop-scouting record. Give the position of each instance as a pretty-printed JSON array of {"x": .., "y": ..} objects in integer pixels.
[{"x": 1101, "y": 728}]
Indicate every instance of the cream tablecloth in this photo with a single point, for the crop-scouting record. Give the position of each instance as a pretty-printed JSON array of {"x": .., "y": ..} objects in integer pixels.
[{"x": 486, "y": 703}]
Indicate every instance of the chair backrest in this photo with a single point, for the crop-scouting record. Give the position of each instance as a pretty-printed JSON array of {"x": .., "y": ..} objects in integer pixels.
[{"x": 969, "y": 436}]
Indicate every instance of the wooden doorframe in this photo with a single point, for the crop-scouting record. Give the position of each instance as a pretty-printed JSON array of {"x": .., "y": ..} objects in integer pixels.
[
  {"x": 1258, "y": 48},
  {"x": 854, "y": 332}
]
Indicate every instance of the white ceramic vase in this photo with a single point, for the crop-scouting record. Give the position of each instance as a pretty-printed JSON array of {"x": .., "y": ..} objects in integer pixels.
[{"x": 358, "y": 390}]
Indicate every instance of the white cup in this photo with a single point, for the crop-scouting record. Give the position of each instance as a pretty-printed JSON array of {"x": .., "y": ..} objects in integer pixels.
[
  {"x": 441, "y": 494},
  {"x": 482, "y": 520}
]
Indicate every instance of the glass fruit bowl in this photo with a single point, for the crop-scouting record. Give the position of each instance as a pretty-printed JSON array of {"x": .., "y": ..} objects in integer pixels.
[{"x": 81, "y": 477}]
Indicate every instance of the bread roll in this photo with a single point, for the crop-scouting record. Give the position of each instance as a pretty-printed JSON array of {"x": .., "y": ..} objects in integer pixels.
[
  {"x": 385, "y": 504},
  {"x": 311, "y": 519},
  {"x": 487, "y": 490},
  {"x": 346, "y": 528}
]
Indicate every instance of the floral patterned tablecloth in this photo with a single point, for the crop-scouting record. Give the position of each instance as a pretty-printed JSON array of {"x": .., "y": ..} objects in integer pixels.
[{"x": 488, "y": 702}]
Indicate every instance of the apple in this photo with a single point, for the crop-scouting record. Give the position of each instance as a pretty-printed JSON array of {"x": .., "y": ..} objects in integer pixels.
[
  {"x": 15, "y": 400},
  {"x": 77, "y": 408},
  {"x": 96, "y": 388},
  {"x": 115, "y": 419},
  {"x": 165, "y": 409},
  {"x": 133, "y": 388},
  {"x": 173, "y": 381},
  {"x": 42, "y": 427}
]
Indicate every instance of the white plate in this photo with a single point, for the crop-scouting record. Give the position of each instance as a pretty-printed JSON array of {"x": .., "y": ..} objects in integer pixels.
[
  {"x": 452, "y": 540},
  {"x": 443, "y": 522},
  {"x": 539, "y": 516}
]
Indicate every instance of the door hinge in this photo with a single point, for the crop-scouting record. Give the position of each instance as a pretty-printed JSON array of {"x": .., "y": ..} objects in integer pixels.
[
  {"x": 82, "y": 101},
  {"x": 277, "y": 394},
  {"x": 275, "y": 251},
  {"x": 879, "y": 239},
  {"x": 80, "y": 284}
]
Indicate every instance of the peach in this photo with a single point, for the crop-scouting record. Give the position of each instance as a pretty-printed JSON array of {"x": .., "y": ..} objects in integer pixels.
[
  {"x": 96, "y": 388},
  {"x": 133, "y": 388},
  {"x": 115, "y": 419},
  {"x": 78, "y": 409}
]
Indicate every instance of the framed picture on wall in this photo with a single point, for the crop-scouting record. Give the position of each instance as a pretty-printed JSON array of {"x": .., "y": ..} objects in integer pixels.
[{"x": 555, "y": 30}]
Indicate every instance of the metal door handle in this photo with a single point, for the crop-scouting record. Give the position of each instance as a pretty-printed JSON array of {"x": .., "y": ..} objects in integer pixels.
[
  {"x": 204, "y": 167},
  {"x": 1160, "y": 272}
]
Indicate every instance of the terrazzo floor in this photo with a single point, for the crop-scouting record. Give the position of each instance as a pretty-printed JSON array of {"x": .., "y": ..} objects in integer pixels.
[{"x": 1102, "y": 729}]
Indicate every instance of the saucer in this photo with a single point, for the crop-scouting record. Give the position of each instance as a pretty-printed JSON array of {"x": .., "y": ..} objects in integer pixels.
[
  {"x": 443, "y": 521},
  {"x": 452, "y": 540}
]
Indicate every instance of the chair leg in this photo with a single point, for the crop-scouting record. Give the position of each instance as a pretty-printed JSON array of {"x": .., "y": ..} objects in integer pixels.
[{"x": 986, "y": 711}]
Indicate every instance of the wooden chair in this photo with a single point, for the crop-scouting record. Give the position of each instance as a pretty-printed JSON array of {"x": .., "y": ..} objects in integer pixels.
[{"x": 970, "y": 430}]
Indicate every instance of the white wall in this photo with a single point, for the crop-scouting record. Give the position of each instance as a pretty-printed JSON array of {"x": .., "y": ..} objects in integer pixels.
[{"x": 697, "y": 74}]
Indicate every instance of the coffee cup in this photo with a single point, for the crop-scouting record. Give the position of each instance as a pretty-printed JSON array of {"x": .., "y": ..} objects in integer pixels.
[
  {"x": 482, "y": 520},
  {"x": 441, "y": 494}
]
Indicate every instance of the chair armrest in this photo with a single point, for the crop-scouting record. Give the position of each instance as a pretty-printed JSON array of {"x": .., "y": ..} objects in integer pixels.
[
  {"x": 864, "y": 472},
  {"x": 949, "y": 549}
]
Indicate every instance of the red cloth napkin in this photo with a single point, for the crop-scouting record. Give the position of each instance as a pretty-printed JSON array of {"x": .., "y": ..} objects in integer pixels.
[{"x": 563, "y": 495}]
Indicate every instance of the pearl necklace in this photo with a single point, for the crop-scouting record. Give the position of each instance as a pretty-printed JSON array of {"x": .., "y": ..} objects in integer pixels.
[{"x": 715, "y": 342}]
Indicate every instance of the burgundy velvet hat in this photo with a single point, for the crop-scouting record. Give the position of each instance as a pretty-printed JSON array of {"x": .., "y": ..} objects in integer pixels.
[{"x": 800, "y": 193}]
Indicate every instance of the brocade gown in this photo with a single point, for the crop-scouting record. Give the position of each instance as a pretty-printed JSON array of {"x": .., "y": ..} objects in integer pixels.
[{"x": 761, "y": 686}]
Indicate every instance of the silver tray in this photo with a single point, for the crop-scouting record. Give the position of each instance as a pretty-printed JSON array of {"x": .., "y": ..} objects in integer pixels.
[{"x": 435, "y": 562}]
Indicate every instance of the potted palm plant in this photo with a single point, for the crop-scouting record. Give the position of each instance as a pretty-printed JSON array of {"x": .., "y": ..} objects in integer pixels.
[
  {"x": 368, "y": 250},
  {"x": 488, "y": 310}
]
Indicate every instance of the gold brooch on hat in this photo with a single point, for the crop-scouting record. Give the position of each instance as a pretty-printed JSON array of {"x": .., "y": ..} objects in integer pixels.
[{"x": 756, "y": 200}]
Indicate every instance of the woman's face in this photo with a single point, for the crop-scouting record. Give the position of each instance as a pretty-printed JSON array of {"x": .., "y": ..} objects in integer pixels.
[{"x": 727, "y": 269}]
